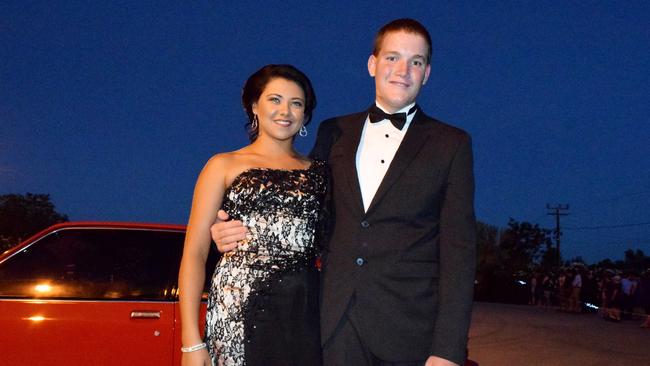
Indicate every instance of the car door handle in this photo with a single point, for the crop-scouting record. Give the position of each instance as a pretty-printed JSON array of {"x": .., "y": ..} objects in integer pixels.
[{"x": 138, "y": 314}]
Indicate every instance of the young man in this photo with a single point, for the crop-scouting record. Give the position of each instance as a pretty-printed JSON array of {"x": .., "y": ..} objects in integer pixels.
[{"x": 400, "y": 251}]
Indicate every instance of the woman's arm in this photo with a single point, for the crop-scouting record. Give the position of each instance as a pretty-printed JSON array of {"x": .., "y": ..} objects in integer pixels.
[{"x": 208, "y": 194}]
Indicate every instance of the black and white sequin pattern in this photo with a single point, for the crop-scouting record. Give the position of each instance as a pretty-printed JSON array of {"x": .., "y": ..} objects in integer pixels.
[{"x": 281, "y": 209}]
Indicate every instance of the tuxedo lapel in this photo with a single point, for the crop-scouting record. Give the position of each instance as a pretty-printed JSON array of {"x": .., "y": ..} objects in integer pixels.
[
  {"x": 416, "y": 135},
  {"x": 347, "y": 148}
]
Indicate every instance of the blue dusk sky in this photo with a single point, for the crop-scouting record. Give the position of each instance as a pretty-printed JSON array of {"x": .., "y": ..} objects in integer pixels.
[{"x": 113, "y": 107}]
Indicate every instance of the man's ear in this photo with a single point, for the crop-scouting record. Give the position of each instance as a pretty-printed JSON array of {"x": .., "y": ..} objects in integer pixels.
[
  {"x": 427, "y": 71},
  {"x": 372, "y": 65}
]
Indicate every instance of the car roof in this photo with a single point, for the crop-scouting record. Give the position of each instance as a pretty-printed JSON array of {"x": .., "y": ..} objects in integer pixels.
[{"x": 93, "y": 224}]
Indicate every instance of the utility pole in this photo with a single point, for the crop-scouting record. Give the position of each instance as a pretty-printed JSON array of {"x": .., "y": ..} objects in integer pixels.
[{"x": 556, "y": 211}]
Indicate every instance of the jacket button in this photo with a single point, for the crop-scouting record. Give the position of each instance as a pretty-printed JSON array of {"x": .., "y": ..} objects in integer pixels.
[
  {"x": 360, "y": 261},
  {"x": 365, "y": 224}
]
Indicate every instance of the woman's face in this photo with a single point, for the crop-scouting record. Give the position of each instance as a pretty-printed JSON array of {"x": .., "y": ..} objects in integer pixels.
[{"x": 280, "y": 109}]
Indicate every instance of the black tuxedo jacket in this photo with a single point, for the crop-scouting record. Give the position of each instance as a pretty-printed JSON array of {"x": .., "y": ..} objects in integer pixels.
[{"x": 408, "y": 263}]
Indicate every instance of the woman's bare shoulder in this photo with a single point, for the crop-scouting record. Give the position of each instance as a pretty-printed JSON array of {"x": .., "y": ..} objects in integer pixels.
[{"x": 230, "y": 164}]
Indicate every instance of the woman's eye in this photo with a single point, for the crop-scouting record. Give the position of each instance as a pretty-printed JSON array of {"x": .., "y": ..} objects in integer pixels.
[
  {"x": 297, "y": 104},
  {"x": 274, "y": 100}
]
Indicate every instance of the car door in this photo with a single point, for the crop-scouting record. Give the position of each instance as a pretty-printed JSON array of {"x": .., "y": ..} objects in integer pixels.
[{"x": 91, "y": 296}]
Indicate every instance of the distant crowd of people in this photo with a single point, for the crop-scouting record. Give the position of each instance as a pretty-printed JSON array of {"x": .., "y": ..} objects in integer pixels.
[{"x": 615, "y": 295}]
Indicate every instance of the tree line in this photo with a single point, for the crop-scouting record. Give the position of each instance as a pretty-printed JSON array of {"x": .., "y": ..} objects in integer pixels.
[
  {"x": 508, "y": 257},
  {"x": 22, "y": 216}
]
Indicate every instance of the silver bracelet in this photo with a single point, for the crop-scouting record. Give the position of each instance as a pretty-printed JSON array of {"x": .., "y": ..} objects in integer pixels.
[{"x": 193, "y": 348}]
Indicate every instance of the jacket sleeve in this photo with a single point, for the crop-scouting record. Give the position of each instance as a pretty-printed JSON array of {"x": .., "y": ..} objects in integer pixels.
[{"x": 457, "y": 258}]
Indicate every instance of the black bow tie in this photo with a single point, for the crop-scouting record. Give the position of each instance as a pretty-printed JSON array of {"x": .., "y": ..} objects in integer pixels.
[{"x": 397, "y": 119}]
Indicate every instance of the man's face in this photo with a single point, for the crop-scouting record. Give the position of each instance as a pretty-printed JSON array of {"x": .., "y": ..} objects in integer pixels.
[{"x": 400, "y": 69}]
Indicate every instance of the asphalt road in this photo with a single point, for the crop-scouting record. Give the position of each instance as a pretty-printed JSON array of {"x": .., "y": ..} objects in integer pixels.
[{"x": 518, "y": 335}]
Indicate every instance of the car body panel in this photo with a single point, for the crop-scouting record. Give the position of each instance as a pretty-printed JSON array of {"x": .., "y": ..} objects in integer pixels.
[
  {"x": 60, "y": 332},
  {"x": 45, "y": 320}
]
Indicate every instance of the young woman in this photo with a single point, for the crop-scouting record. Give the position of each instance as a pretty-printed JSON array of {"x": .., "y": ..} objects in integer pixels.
[{"x": 263, "y": 301}]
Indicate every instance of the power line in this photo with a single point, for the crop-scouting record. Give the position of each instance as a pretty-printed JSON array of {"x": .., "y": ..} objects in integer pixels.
[
  {"x": 616, "y": 198},
  {"x": 583, "y": 243},
  {"x": 607, "y": 226}
]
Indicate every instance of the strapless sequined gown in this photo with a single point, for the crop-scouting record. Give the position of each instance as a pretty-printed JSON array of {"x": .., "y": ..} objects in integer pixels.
[{"x": 263, "y": 302}]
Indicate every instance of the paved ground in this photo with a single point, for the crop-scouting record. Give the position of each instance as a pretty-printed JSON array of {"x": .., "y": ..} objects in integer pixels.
[{"x": 517, "y": 335}]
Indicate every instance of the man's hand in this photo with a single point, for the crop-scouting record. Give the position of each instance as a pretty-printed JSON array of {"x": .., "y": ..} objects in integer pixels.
[
  {"x": 437, "y": 361},
  {"x": 227, "y": 234}
]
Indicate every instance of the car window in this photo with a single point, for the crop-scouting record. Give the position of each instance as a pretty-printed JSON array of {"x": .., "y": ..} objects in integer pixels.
[{"x": 96, "y": 264}]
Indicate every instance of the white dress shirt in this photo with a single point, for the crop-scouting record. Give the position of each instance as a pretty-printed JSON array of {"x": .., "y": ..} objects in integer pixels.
[{"x": 377, "y": 148}]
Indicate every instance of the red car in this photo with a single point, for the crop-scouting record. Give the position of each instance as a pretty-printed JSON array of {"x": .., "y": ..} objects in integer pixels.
[{"x": 93, "y": 293}]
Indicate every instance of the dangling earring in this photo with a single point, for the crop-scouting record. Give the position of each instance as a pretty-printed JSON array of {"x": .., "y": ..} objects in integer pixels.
[
  {"x": 254, "y": 123},
  {"x": 303, "y": 131}
]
